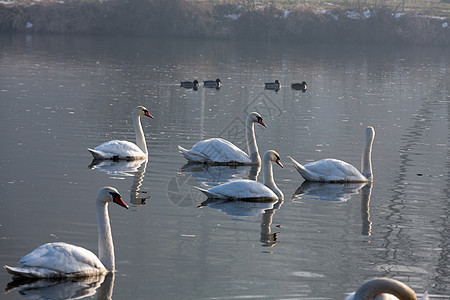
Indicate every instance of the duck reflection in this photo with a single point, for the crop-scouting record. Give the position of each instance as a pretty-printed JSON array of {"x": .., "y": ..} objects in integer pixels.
[
  {"x": 135, "y": 168},
  {"x": 250, "y": 209},
  {"x": 339, "y": 192},
  {"x": 69, "y": 288}
]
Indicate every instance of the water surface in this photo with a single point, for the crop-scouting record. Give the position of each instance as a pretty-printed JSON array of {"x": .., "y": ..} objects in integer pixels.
[{"x": 61, "y": 95}]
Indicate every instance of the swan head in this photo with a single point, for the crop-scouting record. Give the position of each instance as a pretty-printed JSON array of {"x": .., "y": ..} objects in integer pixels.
[
  {"x": 218, "y": 81},
  {"x": 256, "y": 118},
  {"x": 109, "y": 194},
  {"x": 370, "y": 132},
  {"x": 142, "y": 111},
  {"x": 272, "y": 155},
  {"x": 277, "y": 82}
]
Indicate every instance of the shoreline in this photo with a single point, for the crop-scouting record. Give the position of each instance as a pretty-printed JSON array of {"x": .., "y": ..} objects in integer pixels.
[{"x": 199, "y": 20}]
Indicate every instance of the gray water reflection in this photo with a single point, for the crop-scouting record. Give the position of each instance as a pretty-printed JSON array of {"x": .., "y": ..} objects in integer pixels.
[
  {"x": 60, "y": 95},
  {"x": 126, "y": 168},
  {"x": 76, "y": 288},
  {"x": 338, "y": 192},
  {"x": 250, "y": 209},
  {"x": 327, "y": 191}
]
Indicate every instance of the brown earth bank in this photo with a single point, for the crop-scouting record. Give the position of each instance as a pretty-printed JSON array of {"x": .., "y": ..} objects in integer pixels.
[{"x": 192, "y": 19}]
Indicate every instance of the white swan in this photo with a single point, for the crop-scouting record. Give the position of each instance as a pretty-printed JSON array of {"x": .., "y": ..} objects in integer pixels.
[
  {"x": 61, "y": 260},
  {"x": 384, "y": 289},
  {"x": 249, "y": 190},
  {"x": 220, "y": 151},
  {"x": 116, "y": 149},
  {"x": 334, "y": 170}
]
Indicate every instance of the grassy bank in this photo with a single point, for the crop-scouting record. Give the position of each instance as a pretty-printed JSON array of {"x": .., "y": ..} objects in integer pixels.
[{"x": 352, "y": 23}]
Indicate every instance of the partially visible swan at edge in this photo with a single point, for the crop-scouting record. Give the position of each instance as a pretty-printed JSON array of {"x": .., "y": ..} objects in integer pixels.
[
  {"x": 220, "y": 151},
  {"x": 61, "y": 260},
  {"x": 116, "y": 149},
  {"x": 334, "y": 170},
  {"x": 384, "y": 289},
  {"x": 249, "y": 190}
]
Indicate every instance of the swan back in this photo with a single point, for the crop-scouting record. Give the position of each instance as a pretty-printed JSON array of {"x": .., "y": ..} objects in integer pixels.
[
  {"x": 384, "y": 287},
  {"x": 335, "y": 170},
  {"x": 250, "y": 190},
  {"x": 243, "y": 189},
  {"x": 116, "y": 149},
  {"x": 62, "y": 260},
  {"x": 220, "y": 151},
  {"x": 215, "y": 150}
]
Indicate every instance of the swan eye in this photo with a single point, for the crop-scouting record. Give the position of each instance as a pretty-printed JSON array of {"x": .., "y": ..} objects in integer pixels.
[{"x": 114, "y": 195}]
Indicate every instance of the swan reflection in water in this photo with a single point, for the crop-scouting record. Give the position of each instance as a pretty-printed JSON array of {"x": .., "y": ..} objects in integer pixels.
[
  {"x": 250, "y": 209},
  {"x": 339, "y": 192},
  {"x": 182, "y": 191},
  {"x": 69, "y": 288},
  {"x": 134, "y": 168},
  {"x": 212, "y": 175}
]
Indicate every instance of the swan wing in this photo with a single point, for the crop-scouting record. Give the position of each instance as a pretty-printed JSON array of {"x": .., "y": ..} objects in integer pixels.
[
  {"x": 242, "y": 189},
  {"x": 116, "y": 149},
  {"x": 60, "y": 260},
  {"x": 216, "y": 150},
  {"x": 333, "y": 170}
]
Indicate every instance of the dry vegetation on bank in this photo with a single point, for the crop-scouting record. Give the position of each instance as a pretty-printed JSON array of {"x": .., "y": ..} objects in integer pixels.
[{"x": 193, "y": 19}]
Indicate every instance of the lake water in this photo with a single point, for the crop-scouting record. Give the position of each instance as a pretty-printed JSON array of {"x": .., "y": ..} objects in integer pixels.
[{"x": 60, "y": 95}]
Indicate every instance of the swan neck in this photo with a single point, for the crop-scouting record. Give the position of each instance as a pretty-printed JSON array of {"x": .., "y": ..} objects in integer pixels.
[
  {"x": 375, "y": 287},
  {"x": 366, "y": 159},
  {"x": 251, "y": 142},
  {"x": 105, "y": 241},
  {"x": 140, "y": 138},
  {"x": 268, "y": 178}
]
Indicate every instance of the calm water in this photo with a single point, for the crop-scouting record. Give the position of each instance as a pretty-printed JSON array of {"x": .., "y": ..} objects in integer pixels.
[{"x": 60, "y": 95}]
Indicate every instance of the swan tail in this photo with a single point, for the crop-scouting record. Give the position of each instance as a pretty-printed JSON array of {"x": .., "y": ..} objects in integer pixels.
[
  {"x": 300, "y": 168},
  {"x": 96, "y": 154},
  {"x": 31, "y": 272},
  {"x": 191, "y": 157},
  {"x": 206, "y": 192}
]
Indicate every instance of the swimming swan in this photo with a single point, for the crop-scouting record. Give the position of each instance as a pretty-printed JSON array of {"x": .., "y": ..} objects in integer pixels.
[
  {"x": 249, "y": 190},
  {"x": 220, "y": 151},
  {"x": 61, "y": 260},
  {"x": 116, "y": 149},
  {"x": 384, "y": 289},
  {"x": 334, "y": 170}
]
